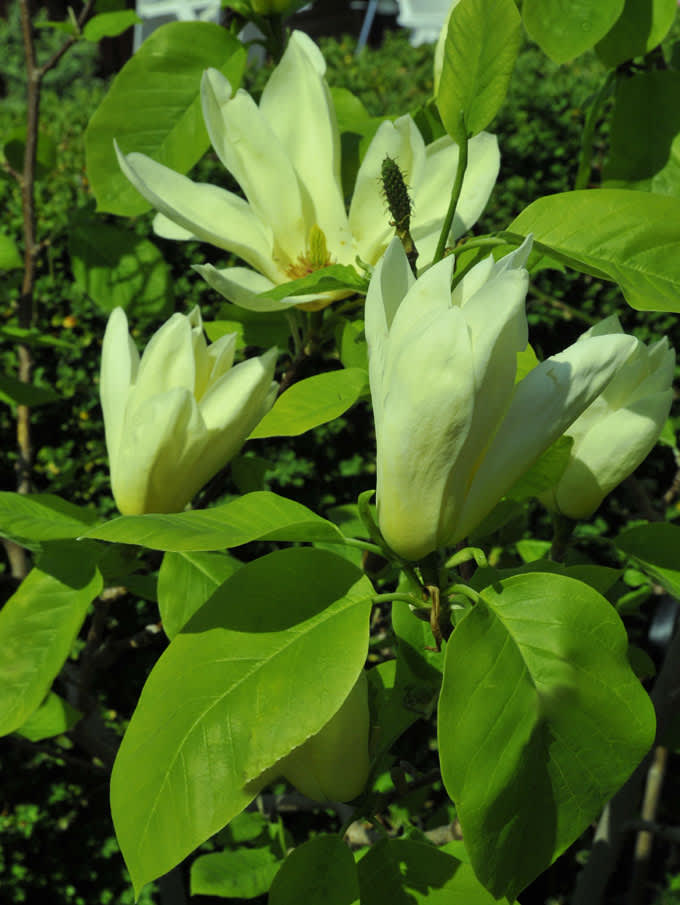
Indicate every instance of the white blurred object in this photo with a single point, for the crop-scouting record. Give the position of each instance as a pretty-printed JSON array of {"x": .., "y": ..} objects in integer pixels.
[
  {"x": 425, "y": 18},
  {"x": 158, "y": 12}
]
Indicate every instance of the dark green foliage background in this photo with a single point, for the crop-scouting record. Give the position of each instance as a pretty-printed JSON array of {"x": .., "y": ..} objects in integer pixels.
[{"x": 57, "y": 843}]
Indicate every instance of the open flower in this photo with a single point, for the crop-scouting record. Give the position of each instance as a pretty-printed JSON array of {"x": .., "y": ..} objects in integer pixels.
[
  {"x": 618, "y": 430},
  {"x": 285, "y": 154},
  {"x": 176, "y": 417},
  {"x": 453, "y": 429}
]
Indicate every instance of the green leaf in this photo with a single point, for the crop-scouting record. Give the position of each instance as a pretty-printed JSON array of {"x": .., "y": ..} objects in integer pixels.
[
  {"x": 541, "y": 720},
  {"x": 66, "y": 27},
  {"x": 261, "y": 667},
  {"x": 240, "y": 874},
  {"x": 248, "y": 473},
  {"x": 31, "y": 519},
  {"x": 54, "y": 717},
  {"x": 545, "y": 472},
  {"x": 255, "y": 328},
  {"x": 255, "y": 516},
  {"x": 619, "y": 234},
  {"x": 656, "y": 547},
  {"x": 482, "y": 43},
  {"x": 357, "y": 127},
  {"x": 186, "y": 581},
  {"x": 326, "y": 279},
  {"x": 116, "y": 268},
  {"x": 10, "y": 259},
  {"x": 407, "y": 872},
  {"x": 45, "y": 157},
  {"x": 321, "y": 871},
  {"x": 566, "y": 28},
  {"x": 405, "y": 689},
  {"x": 648, "y": 104},
  {"x": 38, "y": 625},
  {"x": 668, "y": 437},
  {"x": 531, "y": 549},
  {"x": 312, "y": 402},
  {"x": 16, "y": 392},
  {"x": 642, "y": 25},
  {"x": 153, "y": 106},
  {"x": 526, "y": 362},
  {"x": 601, "y": 578},
  {"x": 33, "y": 337},
  {"x": 110, "y": 25},
  {"x": 351, "y": 341}
]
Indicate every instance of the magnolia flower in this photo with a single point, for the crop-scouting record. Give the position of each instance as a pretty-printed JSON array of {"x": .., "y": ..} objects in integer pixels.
[
  {"x": 453, "y": 429},
  {"x": 618, "y": 430},
  {"x": 285, "y": 154},
  {"x": 173, "y": 419},
  {"x": 333, "y": 765}
]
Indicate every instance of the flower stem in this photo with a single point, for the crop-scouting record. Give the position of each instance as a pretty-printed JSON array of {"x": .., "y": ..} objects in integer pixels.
[
  {"x": 406, "y": 598},
  {"x": 364, "y": 545},
  {"x": 453, "y": 203},
  {"x": 586, "y": 153}
]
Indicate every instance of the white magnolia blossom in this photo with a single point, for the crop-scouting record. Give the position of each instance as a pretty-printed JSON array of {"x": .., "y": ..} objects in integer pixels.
[
  {"x": 618, "y": 430},
  {"x": 285, "y": 155},
  {"x": 176, "y": 417},
  {"x": 453, "y": 429}
]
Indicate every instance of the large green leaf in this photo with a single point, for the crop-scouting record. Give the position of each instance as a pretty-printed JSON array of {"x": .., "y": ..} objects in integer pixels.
[
  {"x": 407, "y": 872},
  {"x": 117, "y": 268},
  {"x": 10, "y": 259},
  {"x": 312, "y": 402},
  {"x": 625, "y": 236},
  {"x": 541, "y": 720},
  {"x": 30, "y": 520},
  {"x": 566, "y": 28},
  {"x": 38, "y": 625},
  {"x": 186, "y": 581},
  {"x": 657, "y": 548},
  {"x": 240, "y": 874},
  {"x": 254, "y": 328},
  {"x": 647, "y": 104},
  {"x": 255, "y": 516},
  {"x": 482, "y": 43},
  {"x": 642, "y": 25},
  {"x": 321, "y": 871},
  {"x": 16, "y": 392},
  {"x": 54, "y": 717},
  {"x": 110, "y": 24},
  {"x": 153, "y": 106},
  {"x": 261, "y": 667}
]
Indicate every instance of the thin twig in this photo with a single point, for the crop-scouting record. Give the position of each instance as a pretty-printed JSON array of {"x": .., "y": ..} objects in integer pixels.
[{"x": 645, "y": 838}]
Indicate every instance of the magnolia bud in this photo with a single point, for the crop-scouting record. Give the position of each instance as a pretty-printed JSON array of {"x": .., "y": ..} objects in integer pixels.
[
  {"x": 454, "y": 428},
  {"x": 173, "y": 419},
  {"x": 333, "y": 765},
  {"x": 618, "y": 430}
]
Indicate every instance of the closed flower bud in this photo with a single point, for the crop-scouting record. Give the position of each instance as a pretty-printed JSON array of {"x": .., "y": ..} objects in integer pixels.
[
  {"x": 618, "y": 430},
  {"x": 454, "y": 430},
  {"x": 333, "y": 765},
  {"x": 176, "y": 417}
]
